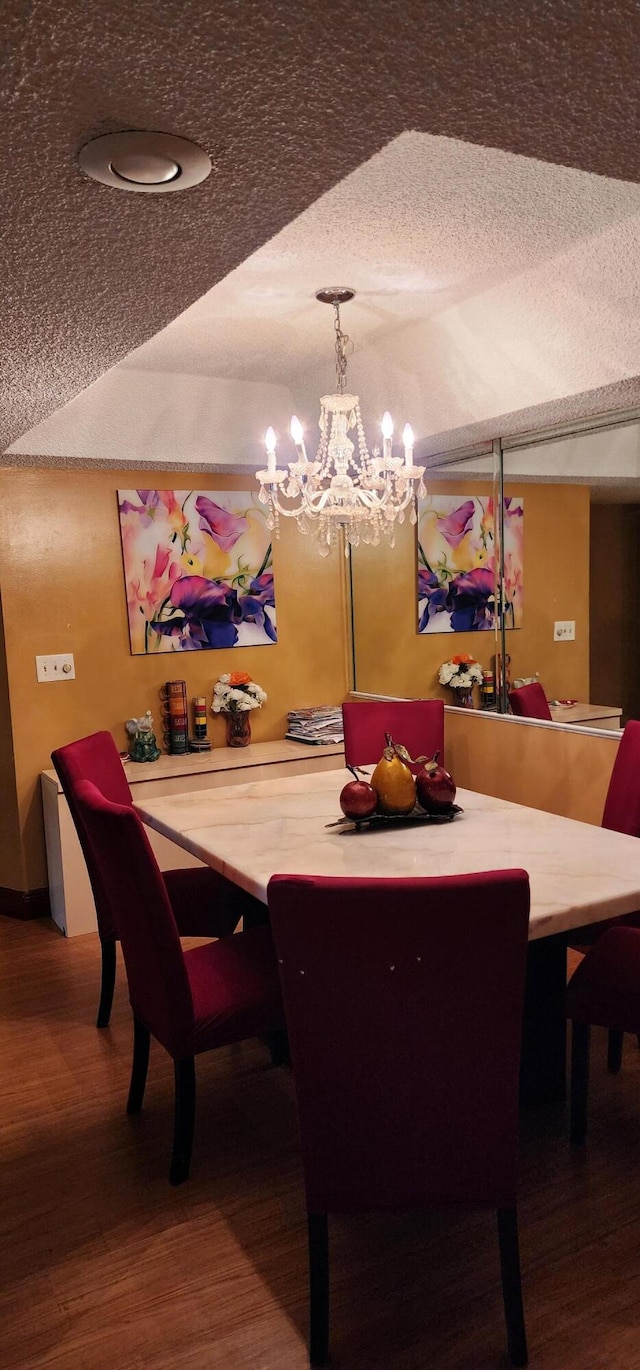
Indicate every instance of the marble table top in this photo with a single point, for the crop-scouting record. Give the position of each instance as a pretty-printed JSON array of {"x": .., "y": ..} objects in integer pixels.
[{"x": 579, "y": 873}]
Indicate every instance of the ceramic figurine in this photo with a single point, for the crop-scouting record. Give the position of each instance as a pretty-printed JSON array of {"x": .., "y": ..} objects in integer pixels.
[{"x": 143, "y": 745}]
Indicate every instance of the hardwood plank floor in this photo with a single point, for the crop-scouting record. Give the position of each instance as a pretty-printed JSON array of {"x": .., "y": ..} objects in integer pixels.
[{"x": 103, "y": 1264}]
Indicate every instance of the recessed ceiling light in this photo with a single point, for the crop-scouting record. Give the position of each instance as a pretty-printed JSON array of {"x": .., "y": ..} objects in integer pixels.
[{"x": 152, "y": 163}]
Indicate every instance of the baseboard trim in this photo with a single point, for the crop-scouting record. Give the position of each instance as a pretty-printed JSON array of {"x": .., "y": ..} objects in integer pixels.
[{"x": 24, "y": 904}]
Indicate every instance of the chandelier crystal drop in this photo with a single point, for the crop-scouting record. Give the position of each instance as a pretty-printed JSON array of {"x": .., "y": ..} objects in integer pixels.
[{"x": 344, "y": 485}]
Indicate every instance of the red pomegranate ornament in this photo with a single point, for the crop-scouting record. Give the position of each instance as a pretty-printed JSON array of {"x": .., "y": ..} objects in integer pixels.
[
  {"x": 358, "y": 799},
  {"x": 435, "y": 788}
]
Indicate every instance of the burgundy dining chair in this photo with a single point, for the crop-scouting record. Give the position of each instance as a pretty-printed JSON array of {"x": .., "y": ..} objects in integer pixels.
[
  {"x": 204, "y": 903},
  {"x": 417, "y": 723},
  {"x": 530, "y": 701},
  {"x": 403, "y": 1000},
  {"x": 622, "y": 804},
  {"x": 621, "y": 814},
  {"x": 604, "y": 991},
  {"x": 190, "y": 1001}
]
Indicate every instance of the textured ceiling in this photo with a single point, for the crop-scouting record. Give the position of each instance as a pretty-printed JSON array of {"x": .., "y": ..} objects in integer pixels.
[
  {"x": 288, "y": 100},
  {"x": 487, "y": 283}
]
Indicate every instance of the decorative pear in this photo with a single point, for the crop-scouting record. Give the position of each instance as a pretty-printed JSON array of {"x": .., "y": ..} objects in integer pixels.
[{"x": 393, "y": 782}]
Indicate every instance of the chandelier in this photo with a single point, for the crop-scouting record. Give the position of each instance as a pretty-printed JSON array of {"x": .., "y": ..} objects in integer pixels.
[{"x": 363, "y": 493}]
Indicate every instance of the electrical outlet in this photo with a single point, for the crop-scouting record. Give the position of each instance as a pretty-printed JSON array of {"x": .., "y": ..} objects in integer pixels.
[
  {"x": 60, "y": 667},
  {"x": 564, "y": 630}
]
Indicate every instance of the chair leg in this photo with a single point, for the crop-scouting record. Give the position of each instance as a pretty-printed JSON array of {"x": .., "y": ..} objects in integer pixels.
[
  {"x": 108, "y": 982},
  {"x": 580, "y": 1036},
  {"x": 278, "y": 1045},
  {"x": 318, "y": 1231},
  {"x": 614, "y": 1051},
  {"x": 184, "y": 1119},
  {"x": 139, "y": 1067},
  {"x": 512, "y": 1285}
]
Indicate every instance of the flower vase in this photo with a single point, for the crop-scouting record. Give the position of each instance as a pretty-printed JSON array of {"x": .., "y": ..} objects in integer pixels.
[
  {"x": 238, "y": 729},
  {"x": 462, "y": 696}
]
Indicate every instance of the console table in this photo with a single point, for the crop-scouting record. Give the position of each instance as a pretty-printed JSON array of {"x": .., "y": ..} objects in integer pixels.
[
  {"x": 588, "y": 715},
  {"x": 72, "y": 906}
]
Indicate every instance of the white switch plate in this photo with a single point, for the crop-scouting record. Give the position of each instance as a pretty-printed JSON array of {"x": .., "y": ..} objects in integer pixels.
[
  {"x": 60, "y": 667},
  {"x": 564, "y": 630}
]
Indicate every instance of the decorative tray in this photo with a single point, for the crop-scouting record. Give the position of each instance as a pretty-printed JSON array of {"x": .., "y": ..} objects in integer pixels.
[{"x": 384, "y": 820}]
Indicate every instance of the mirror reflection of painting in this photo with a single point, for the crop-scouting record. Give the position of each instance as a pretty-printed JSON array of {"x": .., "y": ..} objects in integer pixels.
[
  {"x": 198, "y": 570},
  {"x": 456, "y": 563}
]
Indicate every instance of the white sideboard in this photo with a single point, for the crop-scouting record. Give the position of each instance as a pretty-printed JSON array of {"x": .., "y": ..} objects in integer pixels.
[
  {"x": 72, "y": 906},
  {"x": 588, "y": 715}
]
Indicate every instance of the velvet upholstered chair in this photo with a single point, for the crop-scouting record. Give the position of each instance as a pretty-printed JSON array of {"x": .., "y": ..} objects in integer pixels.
[
  {"x": 530, "y": 701},
  {"x": 403, "y": 1001},
  {"x": 603, "y": 991},
  {"x": 190, "y": 1001},
  {"x": 417, "y": 723},
  {"x": 622, "y": 804},
  {"x": 204, "y": 903},
  {"x": 621, "y": 814}
]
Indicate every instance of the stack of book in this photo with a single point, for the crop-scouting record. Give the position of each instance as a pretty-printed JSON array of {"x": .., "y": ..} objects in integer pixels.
[{"x": 318, "y": 726}]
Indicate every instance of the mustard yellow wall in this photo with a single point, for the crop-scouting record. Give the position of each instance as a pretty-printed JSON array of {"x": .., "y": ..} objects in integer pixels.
[
  {"x": 392, "y": 658},
  {"x": 557, "y": 769},
  {"x": 63, "y": 591},
  {"x": 11, "y": 863}
]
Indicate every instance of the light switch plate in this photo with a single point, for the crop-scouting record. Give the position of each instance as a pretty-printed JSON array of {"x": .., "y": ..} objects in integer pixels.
[
  {"x": 61, "y": 667},
  {"x": 564, "y": 630}
]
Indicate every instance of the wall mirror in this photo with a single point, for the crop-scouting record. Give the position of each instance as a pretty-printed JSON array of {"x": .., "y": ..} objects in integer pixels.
[
  {"x": 580, "y": 637},
  {"x": 442, "y": 574},
  {"x": 564, "y": 564}
]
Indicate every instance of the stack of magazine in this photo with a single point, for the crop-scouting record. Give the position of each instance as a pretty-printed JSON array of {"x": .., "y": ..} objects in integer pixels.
[{"x": 318, "y": 726}]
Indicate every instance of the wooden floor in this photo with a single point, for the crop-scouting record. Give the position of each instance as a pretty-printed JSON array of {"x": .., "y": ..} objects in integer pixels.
[{"x": 103, "y": 1265}]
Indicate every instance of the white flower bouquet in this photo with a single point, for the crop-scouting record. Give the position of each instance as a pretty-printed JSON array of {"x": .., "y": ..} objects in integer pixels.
[
  {"x": 235, "y": 693},
  {"x": 460, "y": 673}
]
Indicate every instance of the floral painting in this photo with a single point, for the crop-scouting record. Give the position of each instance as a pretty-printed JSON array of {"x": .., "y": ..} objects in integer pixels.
[
  {"x": 456, "y": 563},
  {"x": 198, "y": 570}
]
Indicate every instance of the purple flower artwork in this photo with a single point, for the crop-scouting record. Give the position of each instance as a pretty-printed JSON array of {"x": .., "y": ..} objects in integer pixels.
[
  {"x": 198, "y": 570},
  {"x": 456, "y": 563}
]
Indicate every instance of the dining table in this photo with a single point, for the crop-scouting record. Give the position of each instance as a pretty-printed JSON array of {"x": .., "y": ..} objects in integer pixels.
[{"x": 579, "y": 874}]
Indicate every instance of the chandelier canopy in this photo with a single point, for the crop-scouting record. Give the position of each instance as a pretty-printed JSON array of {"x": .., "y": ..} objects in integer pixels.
[{"x": 365, "y": 492}]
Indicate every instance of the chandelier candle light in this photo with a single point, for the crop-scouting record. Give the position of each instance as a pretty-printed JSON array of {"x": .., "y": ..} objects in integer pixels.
[{"x": 365, "y": 493}]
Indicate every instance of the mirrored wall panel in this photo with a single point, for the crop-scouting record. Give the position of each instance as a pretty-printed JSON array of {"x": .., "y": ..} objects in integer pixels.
[
  {"x": 582, "y": 599},
  {"x": 432, "y": 598},
  {"x": 563, "y": 560}
]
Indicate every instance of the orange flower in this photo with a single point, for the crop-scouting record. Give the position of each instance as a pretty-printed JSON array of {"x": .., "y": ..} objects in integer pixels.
[
  {"x": 239, "y": 678},
  {"x": 464, "y": 660}
]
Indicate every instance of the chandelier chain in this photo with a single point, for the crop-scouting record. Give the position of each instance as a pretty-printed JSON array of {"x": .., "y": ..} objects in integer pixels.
[{"x": 342, "y": 340}]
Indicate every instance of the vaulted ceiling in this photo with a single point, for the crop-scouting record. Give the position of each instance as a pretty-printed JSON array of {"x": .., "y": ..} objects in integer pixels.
[{"x": 290, "y": 100}]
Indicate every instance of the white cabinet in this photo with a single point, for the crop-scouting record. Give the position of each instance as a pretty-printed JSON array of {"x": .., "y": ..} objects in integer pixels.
[{"x": 72, "y": 906}]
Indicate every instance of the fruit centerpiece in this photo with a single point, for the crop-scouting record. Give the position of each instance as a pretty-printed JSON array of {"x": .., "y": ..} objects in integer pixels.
[{"x": 394, "y": 792}]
